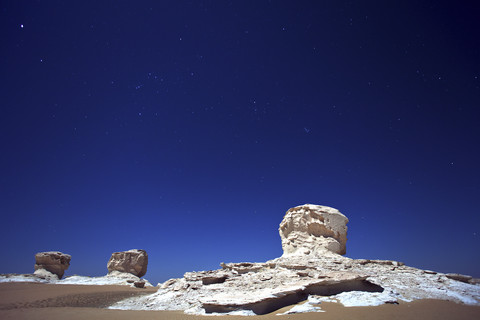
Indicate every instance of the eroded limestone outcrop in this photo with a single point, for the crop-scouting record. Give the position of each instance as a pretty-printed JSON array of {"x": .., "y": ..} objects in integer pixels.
[
  {"x": 50, "y": 268},
  {"x": 51, "y": 264},
  {"x": 313, "y": 240},
  {"x": 313, "y": 230},
  {"x": 133, "y": 261},
  {"x": 268, "y": 299}
]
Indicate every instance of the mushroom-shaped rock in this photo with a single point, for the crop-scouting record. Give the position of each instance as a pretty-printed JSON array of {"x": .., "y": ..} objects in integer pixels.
[
  {"x": 133, "y": 261},
  {"x": 313, "y": 229},
  {"x": 54, "y": 262}
]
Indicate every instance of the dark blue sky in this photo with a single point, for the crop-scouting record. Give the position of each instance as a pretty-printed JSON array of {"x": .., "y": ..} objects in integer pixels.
[{"x": 188, "y": 129}]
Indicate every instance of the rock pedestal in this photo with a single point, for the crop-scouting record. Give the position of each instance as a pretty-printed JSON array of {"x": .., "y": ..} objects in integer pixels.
[
  {"x": 132, "y": 261},
  {"x": 313, "y": 230},
  {"x": 54, "y": 262},
  {"x": 313, "y": 239}
]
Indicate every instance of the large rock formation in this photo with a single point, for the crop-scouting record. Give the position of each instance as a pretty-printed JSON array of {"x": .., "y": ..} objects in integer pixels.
[
  {"x": 132, "y": 261},
  {"x": 313, "y": 230},
  {"x": 313, "y": 237},
  {"x": 54, "y": 262}
]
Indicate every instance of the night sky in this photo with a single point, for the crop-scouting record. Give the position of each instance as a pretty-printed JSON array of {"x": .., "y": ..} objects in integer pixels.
[{"x": 188, "y": 129}]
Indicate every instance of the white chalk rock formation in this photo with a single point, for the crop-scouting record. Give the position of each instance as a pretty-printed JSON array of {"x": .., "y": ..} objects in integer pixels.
[
  {"x": 45, "y": 275},
  {"x": 123, "y": 267},
  {"x": 313, "y": 230},
  {"x": 113, "y": 278},
  {"x": 133, "y": 261},
  {"x": 50, "y": 264},
  {"x": 312, "y": 267}
]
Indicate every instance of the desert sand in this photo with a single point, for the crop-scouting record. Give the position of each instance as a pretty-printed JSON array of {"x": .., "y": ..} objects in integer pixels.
[{"x": 53, "y": 301}]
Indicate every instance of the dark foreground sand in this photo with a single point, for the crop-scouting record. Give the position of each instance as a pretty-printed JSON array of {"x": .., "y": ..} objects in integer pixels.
[{"x": 72, "y": 302}]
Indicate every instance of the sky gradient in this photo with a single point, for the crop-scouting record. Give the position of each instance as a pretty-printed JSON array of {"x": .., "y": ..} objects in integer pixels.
[{"x": 188, "y": 129}]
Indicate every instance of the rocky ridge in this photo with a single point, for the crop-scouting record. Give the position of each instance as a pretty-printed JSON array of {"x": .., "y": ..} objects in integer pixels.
[{"x": 313, "y": 237}]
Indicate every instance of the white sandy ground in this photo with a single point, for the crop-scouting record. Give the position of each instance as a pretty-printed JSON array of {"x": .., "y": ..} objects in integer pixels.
[
  {"x": 311, "y": 305},
  {"x": 403, "y": 284},
  {"x": 348, "y": 299},
  {"x": 115, "y": 279},
  {"x": 20, "y": 278},
  {"x": 395, "y": 290},
  {"x": 400, "y": 283},
  {"x": 161, "y": 299}
]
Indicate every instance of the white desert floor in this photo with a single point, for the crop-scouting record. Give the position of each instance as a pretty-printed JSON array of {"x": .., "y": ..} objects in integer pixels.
[
  {"x": 118, "y": 279},
  {"x": 34, "y": 300}
]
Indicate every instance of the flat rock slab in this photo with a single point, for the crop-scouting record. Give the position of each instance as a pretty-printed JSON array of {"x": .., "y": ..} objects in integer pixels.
[{"x": 266, "y": 300}]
